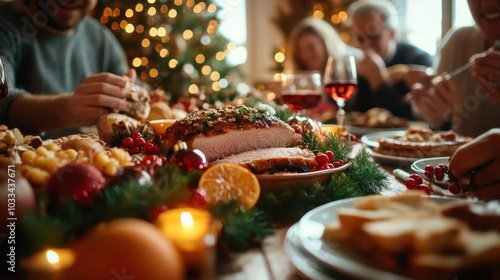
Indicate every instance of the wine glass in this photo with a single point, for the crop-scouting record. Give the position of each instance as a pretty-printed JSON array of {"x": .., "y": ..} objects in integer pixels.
[
  {"x": 301, "y": 91},
  {"x": 4, "y": 89},
  {"x": 341, "y": 81}
]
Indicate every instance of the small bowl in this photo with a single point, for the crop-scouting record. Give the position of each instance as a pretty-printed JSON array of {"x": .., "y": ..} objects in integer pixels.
[{"x": 159, "y": 126}]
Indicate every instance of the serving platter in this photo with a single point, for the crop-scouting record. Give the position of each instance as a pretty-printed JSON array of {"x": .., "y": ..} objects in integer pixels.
[
  {"x": 336, "y": 255},
  {"x": 279, "y": 180}
]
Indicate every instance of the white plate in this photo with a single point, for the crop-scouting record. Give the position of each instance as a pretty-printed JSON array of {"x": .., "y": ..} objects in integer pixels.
[
  {"x": 371, "y": 139},
  {"x": 362, "y": 130},
  {"x": 303, "y": 261},
  {"x": 419, "y": 166},
  {"x": 336, "y": 255},
  {"x": 279, "y": 180}
]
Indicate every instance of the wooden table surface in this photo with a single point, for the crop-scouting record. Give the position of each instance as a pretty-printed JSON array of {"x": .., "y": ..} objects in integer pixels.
[{"x": 270, "y": 261}]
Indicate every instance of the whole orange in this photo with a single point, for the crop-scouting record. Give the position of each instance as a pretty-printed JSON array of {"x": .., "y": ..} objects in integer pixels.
[{"x": 125, "y": 249}]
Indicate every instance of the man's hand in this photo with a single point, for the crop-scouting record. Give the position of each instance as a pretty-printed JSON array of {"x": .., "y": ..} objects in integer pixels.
[{"x": 98, "y": 95}]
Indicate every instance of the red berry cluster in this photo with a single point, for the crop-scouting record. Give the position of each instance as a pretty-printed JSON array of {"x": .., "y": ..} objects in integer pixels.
[
  {"x": 326, "y": 160},
  {"x": 435, "y": 174},
  {"x": 298, "y": 129},
  {"x": 415, "y": 181},
  {"x": 135, "y": 143}
]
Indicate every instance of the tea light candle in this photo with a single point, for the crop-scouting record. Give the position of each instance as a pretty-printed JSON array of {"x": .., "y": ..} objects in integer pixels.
[
  {"x": 332, "y": 128},
  {"x": 193, "y": 233},
  {"x": 49, "y": 264}
]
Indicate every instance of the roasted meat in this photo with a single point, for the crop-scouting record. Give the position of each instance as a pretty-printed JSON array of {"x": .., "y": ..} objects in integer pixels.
[
  {"x": 230, "y": 130},
  {"x": 274, "y": 160}
]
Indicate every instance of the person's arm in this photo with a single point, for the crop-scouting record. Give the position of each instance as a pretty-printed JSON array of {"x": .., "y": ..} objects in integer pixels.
[
  {"x": 486, "y": 71},
  {"x": 98, "y": 95},
  {"x": 478, "y": 162},
  {"x": 372, "y": 67}
]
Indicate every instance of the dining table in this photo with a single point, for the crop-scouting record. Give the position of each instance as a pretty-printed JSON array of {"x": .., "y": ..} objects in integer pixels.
[{"x": 270, "y": 261}]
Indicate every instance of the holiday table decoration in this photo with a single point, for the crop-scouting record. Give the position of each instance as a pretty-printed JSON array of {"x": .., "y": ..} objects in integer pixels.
[
  {"x": 125, "y": 246},
  {"x": 194, "y": 233},
  {"x": 50, "y": 264},
  {"x": 188, "y": 159},
  {"x": 146, "y": 186}
]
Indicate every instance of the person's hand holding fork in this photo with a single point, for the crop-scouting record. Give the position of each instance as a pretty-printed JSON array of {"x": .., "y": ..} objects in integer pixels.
[
  {"x": 486, "y": 71},
  {"x": 433, "y": 99}
]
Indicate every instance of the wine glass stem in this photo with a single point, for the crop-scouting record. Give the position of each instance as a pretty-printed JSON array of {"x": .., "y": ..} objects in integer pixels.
[{"x": 340, "y": 116}]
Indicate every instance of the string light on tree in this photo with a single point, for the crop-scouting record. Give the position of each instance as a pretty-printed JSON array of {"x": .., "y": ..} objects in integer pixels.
[{"x": 161, "y": 37}]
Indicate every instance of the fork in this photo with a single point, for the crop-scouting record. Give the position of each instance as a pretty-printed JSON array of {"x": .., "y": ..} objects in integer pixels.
[{"x": 435, "y": 80}]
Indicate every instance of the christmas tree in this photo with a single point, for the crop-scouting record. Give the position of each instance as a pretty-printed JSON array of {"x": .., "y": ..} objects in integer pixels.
[{"x": 174, "y": 45}]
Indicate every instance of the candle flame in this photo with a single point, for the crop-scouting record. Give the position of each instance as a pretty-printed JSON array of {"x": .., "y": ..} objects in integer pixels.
[
  {"x": 187, "y": 219},
  {"x": 52, "y": 257}
]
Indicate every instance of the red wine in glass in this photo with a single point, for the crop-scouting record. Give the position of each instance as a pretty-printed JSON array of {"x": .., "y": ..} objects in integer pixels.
[
  {"x": 341, "y": 81},
  {"x": 301, "y": 100},
  {"x": 4, "y": 89},
  {"x": 341, "y": 90}
]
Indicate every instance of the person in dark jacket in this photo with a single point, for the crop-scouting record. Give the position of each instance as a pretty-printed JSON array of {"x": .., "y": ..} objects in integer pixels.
[{"x": 384, "y": 70}]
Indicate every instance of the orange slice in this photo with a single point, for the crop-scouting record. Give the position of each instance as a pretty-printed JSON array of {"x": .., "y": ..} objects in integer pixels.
[
  {"x": 159, "y": 126},
  {"x": 225, "y": 182}
]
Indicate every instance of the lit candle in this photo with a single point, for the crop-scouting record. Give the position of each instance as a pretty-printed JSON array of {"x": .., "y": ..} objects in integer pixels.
[
  {"x": 49, "y": 264},
  {"x": 332, "y": 128},
  {"x": 194, "y": 234}
]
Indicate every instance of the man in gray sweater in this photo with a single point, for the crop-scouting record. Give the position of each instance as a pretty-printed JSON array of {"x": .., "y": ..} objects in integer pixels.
[{"x": 64, "y": 68}]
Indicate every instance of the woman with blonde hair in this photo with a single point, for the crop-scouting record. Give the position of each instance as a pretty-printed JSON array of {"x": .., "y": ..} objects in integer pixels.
[{"x": 310, "y": 44}]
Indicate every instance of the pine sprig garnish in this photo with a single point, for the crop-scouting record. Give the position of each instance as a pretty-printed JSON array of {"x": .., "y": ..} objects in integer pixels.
[
  {"x": 242, "y": 228},
  {"x": 331, "y": 142},
  {"x": 368, "y": 175}
]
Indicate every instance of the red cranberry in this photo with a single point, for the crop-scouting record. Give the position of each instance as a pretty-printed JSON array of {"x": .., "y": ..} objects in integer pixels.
[
  {"x": 149, "y": 148},
  {"x": 322, "y": 159},
  {"x": 298, "y": 129},
  {"x": 455, "y": 188},
  {"x": 139, "y": 142},
  {"x": 417, "y": 178},
  {"x": 331, "y": 156},
  {"x": 157, "y": 150},
  {"x": 424, "y": 188},
  {"x": 429, "y": 168},
  {"x": 134, "y": 150},
  {"x": 127, "y": 142},
  {"x": 136, "y": 135},
  {"x": 439, "y": 176},
  {"x": 411, "y": 184}
]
